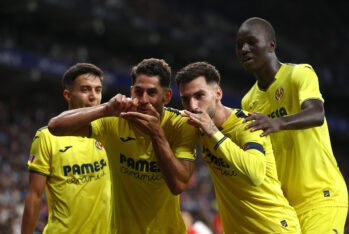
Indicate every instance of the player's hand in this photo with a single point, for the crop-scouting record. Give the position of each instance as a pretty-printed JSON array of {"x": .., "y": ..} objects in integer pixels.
[
  {"x": 262, "y": 122},
  {"x": 120, "y": 103},
  {"x": 149, "y": 122},
  {"x": 202, "y": 121}
]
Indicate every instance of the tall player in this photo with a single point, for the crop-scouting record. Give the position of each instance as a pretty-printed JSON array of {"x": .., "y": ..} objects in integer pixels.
[
  {"x": 150, "y": 150},
  {"x": 74, "y": 170},
  {"x": 241, "y": 163},
  {"x": 288, "y": 105}
]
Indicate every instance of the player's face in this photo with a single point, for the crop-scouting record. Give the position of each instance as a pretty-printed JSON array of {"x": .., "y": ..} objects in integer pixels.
[
  {"x": 197, "y": 95},
  {"x": 86, "y": 91},
  {"x": 252, "y": 47},
  {"x": 148, "y": 91}
]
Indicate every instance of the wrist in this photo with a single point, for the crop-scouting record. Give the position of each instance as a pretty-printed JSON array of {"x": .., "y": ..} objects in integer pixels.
[
  {"x": 106, "y": 109},
  {"x": 281, "y": 123},
  {"x": 211, "y": 130},
  {"x": 157, "y": 134}
]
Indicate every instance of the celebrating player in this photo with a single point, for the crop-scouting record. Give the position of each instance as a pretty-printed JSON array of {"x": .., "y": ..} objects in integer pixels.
[
  {"x": 289, "y": 107},
  {"x": 241, "y": 163},
  {"x": 74, "y": 170},
  {"x": 150, "y": 150}
]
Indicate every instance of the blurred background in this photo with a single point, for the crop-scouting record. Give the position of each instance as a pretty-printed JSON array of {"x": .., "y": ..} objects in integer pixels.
[{"x": 40, "y": 39}]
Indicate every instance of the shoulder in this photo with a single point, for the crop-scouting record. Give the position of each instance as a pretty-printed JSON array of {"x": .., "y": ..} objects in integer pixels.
[
  {"x": 43, "y": 131},
  {"x": 236, "y": 118},
  {"x": 172, "y": 118},
  {"x": 173, "y": 111},
  {"x": 240, "y": 113},
  {"x": 250, "y": 93},
  {"x": 172, "y": 115},
  {"x": 298, "y": 67}
]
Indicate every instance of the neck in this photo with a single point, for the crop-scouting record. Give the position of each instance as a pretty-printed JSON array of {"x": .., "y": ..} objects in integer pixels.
[
  {"x": 221, "y": 115},
  {"x": 266, "y": 76}
]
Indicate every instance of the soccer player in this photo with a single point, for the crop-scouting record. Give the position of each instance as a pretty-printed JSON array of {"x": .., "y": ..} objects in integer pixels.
[
  {"x": 150, "y": 149},
  {"x": 241, "y": 163},
  {"x": 74, "y": 170},
  {"x": 289, "y": 107}
]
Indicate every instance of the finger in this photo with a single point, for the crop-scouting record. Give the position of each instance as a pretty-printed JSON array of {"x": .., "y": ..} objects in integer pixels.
[
  {"x": 135, "y": 101},
  {"x": 186, "y": 112},
  {"x": 251, "y": 125},
  {"x": 131, "y": 104},
  {"x": 198, "y": 111},
  {"x": 266, "y": 133},
  {"x": 249, "y": 118},
  {"x": 134, "y": 115},
  {"x": 196, "y": 117},
  {"x": 152, "y": 109},
  {"x": 183, "y": 114}
]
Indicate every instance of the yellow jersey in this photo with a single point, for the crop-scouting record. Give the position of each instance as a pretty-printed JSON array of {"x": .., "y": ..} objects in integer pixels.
[
  {"x": 243, "y": 170},
  {"x": 306, "y": 165},
  {"x": 143, "y": 204},
  {"x": 78, "y": 187}
]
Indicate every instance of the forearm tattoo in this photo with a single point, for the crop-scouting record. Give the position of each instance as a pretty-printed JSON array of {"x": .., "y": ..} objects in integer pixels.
[{"x": 211, "y": 129}]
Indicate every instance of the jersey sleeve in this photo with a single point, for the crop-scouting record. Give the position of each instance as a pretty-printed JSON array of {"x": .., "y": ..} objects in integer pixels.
[
  {"x": 307, "y": 83},
  {"x": 185, "y": 141},
  {"x": 99, "y": 128},
  {"x": 40, "y": 153},
  {"x": 246, "y": 153}
]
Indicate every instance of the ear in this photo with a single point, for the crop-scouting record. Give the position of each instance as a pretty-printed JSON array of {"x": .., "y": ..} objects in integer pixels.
[
  {"x": 167, "y": 95},
  {"x": 272, "y": 45},
  {"x": 66, "y": 95},
  {"x": 219, "y": 93}
]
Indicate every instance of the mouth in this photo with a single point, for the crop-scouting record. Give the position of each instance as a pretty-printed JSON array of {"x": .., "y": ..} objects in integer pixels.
[
  {"x": 247, "y": 59},
  {"x": 143, "y": 109}
]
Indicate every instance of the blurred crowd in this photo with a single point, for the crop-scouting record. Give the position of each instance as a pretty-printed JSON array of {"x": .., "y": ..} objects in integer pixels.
[{"x": 116, "y": 34}]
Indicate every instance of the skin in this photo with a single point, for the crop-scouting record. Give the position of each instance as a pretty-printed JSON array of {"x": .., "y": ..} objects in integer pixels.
[
  {"x": 255, "y": 49},
  {"x": 145, "y": 110},
  {"x": 86, "y": 91},
  {"x": 202, "y": 104}
]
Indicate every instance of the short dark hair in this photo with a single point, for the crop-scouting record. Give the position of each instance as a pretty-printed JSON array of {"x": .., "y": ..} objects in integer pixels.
[
  {"x": 263, "y": 24},
  {"x": 194, "y": 70},
  {"x": 79, "y": 69},
  {"x": 153, "y": 67}
]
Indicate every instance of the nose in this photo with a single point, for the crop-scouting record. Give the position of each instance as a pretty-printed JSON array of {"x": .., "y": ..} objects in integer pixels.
[
  {"x": 93, "y": 95},
  {"x": 245, "y": 47},
  {"x": 144, "y": 98},
  {"x": 193, "y": 105}
]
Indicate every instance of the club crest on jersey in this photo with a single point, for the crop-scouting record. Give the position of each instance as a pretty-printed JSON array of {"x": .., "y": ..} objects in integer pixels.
[
  {"x": 279, "y": 93},
  {"x": 99, "y": 145}
]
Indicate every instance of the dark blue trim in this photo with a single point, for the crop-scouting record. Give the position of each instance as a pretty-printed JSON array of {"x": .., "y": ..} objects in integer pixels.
[{"x": 254, "y": 145}]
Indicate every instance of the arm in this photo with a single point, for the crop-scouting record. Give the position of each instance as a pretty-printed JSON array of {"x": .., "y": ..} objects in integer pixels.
[
  {"x": 176, "y": 172},
  {"x": 77, "y": 122},
  {"x": 312, "y": 114},
  {"x": 33, "y": 202},
  {"x": 250, "y": 162}
]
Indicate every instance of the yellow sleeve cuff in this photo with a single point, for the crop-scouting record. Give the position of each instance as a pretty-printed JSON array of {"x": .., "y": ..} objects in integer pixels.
[{"x": 218, "y": 136}]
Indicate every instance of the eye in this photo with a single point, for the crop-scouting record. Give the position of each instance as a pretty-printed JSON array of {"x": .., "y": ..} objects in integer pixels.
[
  {"x": 84, "y": 89},
  {"x": 199, "y": 95},
  {"x": 138, "y": 92},
  {"x": 152, "y": 92},
  {"x": 252, "y": 41}
]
